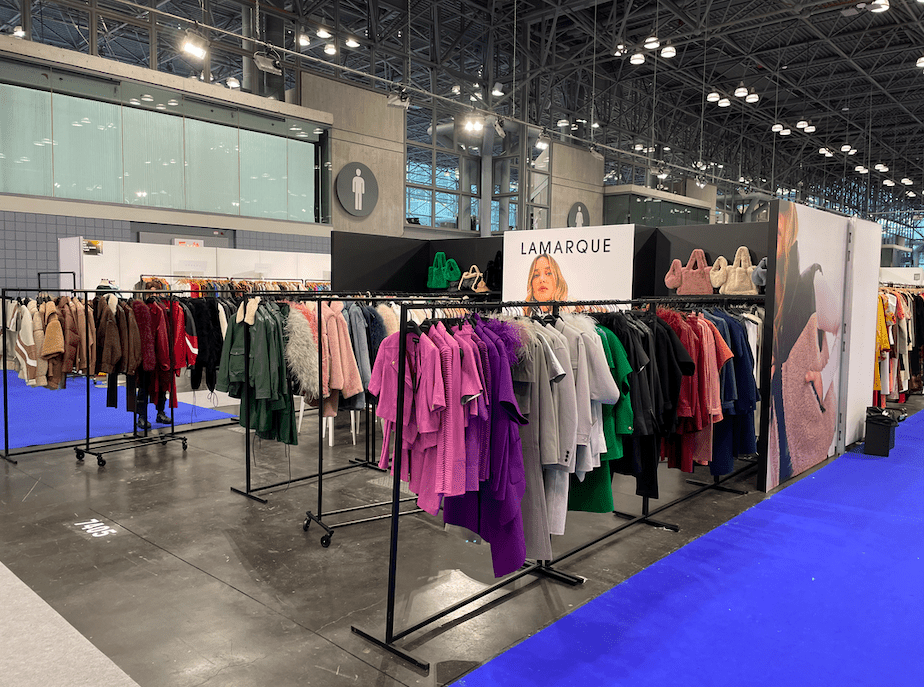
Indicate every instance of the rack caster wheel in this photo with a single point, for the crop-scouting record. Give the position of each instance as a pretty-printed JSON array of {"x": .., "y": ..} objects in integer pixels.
[
  {"x": 100, "y": 461},
  {"x": 306, "y": 524},
  {"x": 325, "y": 540},
  {"x": 80, "y": 456},
  {"x": 184, "y": 445},
  {"x": 163, "y": 443}
]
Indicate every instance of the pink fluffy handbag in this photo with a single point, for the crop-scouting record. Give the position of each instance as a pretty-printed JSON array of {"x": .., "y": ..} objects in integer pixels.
[{"x": 693, "y": 279}]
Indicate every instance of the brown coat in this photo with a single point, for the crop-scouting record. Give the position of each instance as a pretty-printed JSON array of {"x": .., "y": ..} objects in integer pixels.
[
  {"x": 108, "y": 346},
  {"x": 80, "y": 315},
  {"x": 38, "y": 333},
  {"x": 131, "y": 343},
  {"x": 53, "y": 344},
  {"x": 71, "y": 334}
]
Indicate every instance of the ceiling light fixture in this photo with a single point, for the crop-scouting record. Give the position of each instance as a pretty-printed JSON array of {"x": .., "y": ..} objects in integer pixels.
[
  {"x": 323, "y": 33},
  {"x": 543, "y": 141},
  {"x": 852, "y": 151},
  {"x": 639, "y": 146},
  {"x": 351, "y": 42},
  {"x": 330, "y": 49},
  {"x": 232, "y": 82},
  {"x": 752, "y": 97},
  {"x": 652, "y": 43},
  {"x": 741, "y": 91},
  {"x": 668, "y": 51},
  {"x": 399, "y": 99},
  {"x": 801, "y": 124},
  {"x": 910, "y": 194},
  {"x": 498, "y": 90},
  {"x": 456, "y": 89},
  {"x": 662, "y": 173},
  {"x": 786, "y": 132},
  {"x": 637, "y": 58},
  {"x": 194, "y": 44},
  {"x": 563, "y": 123},
  {"x": 878, "y": 5},
  {"x": 303, "y": 40},
  {"x": 620, "y": 49},
  {"x": 829, "y": 153},
  {"x": 860, "y": 169},
  {"x": 919, "y": 64},
  {"x": 713, "y": 96},
  {"x": 19, "y": 32},
  {"x": 724, "y": 102},
  {"x": 907, "y": 182},
  {"x": 846, "y": 147},
  {"x": 595, "y": 125},
  {"x": 595, "y": 153},
  {"x": 810, "y": 129},
  {"x": 888, "y": 182},
  {"x": 776, "y": 128}
]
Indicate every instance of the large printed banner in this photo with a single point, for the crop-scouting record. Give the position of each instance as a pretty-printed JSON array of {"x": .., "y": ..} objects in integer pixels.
[
  {"x": 809, "y": 301},
  {"x": 577, "y": 264}
]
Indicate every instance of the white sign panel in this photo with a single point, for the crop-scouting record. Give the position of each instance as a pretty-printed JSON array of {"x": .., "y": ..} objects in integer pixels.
[{"x": 577, "y": 264}]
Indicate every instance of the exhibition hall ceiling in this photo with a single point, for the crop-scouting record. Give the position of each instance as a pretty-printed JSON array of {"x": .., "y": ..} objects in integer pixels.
[{"x": 846, "y": 71}]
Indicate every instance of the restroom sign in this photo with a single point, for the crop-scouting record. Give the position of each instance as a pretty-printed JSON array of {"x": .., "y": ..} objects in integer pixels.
[{"x": 357, "y": 189}]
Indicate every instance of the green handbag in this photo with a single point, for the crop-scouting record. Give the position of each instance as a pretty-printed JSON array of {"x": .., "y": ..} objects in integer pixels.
[{"x": 442, "y": 271}]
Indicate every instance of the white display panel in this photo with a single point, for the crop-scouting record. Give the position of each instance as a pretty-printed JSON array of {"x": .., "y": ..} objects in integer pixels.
[
  {"x": 313, "y": 265},
  {"x": 587, "y": 263},
  {"x": 142, "y": 258},
  {"x": 863, "y": 284}
]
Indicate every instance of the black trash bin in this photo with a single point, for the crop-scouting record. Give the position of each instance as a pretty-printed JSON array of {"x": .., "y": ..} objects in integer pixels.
[{"x": 880, "y": 432}]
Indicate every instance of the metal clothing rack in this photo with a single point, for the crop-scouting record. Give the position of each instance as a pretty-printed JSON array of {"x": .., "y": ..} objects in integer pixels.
[
  {"x": 541, "y": 568},
  {"x": 95, "y": 447},
  {"x": 251, "y": 491}
]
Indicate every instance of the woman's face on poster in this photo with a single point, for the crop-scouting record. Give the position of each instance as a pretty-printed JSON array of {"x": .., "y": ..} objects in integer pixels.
[{"x": 543, "y": 280}]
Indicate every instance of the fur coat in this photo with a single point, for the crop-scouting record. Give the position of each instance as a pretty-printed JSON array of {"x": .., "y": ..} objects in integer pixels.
[
  {"x": 38, "y": 336},
  {"x": 53, "y": 344},
  {"x": 389, "y": 319},
  {"x": 71, "y": 334},
  {"x": 302, "y": 353}
]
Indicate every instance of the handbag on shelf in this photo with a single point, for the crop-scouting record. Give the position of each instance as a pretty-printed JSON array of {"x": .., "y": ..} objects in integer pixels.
[
  {"x": 493, "y": 274},
  {"x": 734, "y": 279},
  {"x": 442, "y": 272},
  {"x": 759, "y": 275},
  {"x": 691, "y": 279},
  {"x": 470, "y": 279}
]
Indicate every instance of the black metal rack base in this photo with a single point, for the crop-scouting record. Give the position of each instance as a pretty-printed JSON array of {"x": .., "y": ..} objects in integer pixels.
[
  {"x": 645, "y": 520},
  {"x": 124, "y": 445}
]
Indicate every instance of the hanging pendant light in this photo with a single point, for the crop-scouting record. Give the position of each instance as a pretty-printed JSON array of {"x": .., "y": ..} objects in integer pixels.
[
  {"x": 878, "y": 6},
  {"x": 668, "y": 51},
  {"x": 713, "y": 97},
  {"x": 752, "y": 97},
  {"x": 801, "y": 124},
  {"x": 741, "y": 91},
  {"x": 637, "y": 58},
  {"x": 652, "y": 43},
  {"x": 786, "y": 131},
  {"x": 776, "y": 128},
  {"x": 846, "y": 147},
  {"x": 724, "y": 102}
]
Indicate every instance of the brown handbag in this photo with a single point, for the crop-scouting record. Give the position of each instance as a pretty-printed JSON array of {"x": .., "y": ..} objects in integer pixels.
[
  {"x": 692, "y": 279},
  {"x": 810, "y": 419}
]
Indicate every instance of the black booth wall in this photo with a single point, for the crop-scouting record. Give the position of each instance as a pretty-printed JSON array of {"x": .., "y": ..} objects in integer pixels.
[
  {"x": 656, "y": 248},
  {"x": 363, "y": 262}
]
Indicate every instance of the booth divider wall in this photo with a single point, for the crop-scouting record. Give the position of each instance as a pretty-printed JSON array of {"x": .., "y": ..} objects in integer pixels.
[{"x": 360, "y": 262}]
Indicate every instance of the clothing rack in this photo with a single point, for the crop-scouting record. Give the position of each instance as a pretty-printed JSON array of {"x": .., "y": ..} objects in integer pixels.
[
  {"x": 251, "y": 491},
  {"x": 541, "y": 568},
  {"x": 99, "y": 447}
]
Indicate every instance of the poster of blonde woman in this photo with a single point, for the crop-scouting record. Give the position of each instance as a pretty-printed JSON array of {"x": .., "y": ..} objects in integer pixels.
[
  {"x": 576, "y": 263},
  {"x": 805, "y": 364}
]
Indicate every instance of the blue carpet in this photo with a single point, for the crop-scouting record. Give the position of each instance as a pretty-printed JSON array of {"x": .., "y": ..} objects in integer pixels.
[
  {"x": 821, "y": 584},
  {"x": 40, "y": 416}
]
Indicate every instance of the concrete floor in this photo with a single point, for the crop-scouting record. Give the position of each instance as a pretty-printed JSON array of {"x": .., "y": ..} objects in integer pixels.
[{"x": 198, "y": 585}]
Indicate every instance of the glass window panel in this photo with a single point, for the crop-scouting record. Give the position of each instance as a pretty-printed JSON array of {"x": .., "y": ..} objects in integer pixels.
[
  {"x": 446, "y": 131},
  {"x": 88, "y": 149},
  {"x": 419, "y": 166},
  {"x": 420, "y": 205},
  {"x": 149, "y": 98},
  {"x": 447, "y": 210},
  {"x": 25, "y": 141},
  {"x": 71, "y": 27},
  {"x": 420, "y": 125},
  {"x": 470, "y": 219},
  {"x": 506, "y": 175},
  {"x": 301, "y": 167},
  {"x": 471, "y": 174},
  {"x": 447, "y": 171},
  {"x": 503, "y": 214},
  {"x": 538, "y": 218},
  {"x": 153, "y": 159},
  {"x": 212, "y": 163},
  {"x": 263, "y": 175},
  {"x": 539, "y": 188}
]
